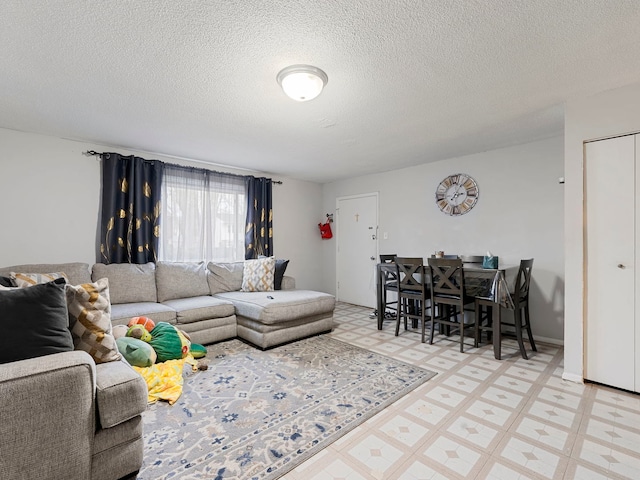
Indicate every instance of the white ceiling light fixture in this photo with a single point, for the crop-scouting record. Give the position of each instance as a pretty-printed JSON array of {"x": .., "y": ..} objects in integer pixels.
[{"x": 302, "y": 82}]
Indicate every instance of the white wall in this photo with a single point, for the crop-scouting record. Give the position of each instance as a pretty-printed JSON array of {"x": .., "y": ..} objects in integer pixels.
[
  {"x": 606, "y": 114},
  {"x": 51, "y": 197},
  {"x": 519, "y": 214}
]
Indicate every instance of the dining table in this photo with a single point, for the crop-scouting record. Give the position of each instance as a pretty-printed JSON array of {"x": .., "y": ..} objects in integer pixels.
[{"x": 487, "y": 283}]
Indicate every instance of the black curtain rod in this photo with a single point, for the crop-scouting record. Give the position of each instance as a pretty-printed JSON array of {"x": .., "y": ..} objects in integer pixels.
[{"x": 89, "y": 153}]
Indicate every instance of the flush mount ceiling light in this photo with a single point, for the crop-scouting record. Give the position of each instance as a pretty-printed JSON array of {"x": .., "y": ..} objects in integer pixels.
[{"x": 302, "y": 82}]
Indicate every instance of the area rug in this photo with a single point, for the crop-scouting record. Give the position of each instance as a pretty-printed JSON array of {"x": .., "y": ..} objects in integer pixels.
[{"x": 258, "y": 414}]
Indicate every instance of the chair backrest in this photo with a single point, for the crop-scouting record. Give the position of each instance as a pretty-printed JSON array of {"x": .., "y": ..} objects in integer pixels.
[
  {"x": 447, "y": 256},
  {"x": 523, "y": 281},
  {"x": 411, "y": 275},
  {"x": 447, "y": 277},
  {"x": 388, "y": 275},
  {"x": 472, "y": 258}
]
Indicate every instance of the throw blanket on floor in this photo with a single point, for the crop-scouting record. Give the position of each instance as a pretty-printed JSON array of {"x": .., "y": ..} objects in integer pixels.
[{"x": 164, "y": 380}]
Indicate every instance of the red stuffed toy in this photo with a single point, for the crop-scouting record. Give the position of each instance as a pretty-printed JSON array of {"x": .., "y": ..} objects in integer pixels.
[{"x": 146, "y": 322}]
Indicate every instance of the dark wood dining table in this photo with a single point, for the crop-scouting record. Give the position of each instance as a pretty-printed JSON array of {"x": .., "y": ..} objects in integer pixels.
[{"x": 486, "y": 283}]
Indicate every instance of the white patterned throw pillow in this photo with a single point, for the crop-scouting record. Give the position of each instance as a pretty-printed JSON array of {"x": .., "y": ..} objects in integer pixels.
[
  {"x": 90, "y": 314},
  {"x": 258, "y": 275},
  {"x": 23, "y": 280}
]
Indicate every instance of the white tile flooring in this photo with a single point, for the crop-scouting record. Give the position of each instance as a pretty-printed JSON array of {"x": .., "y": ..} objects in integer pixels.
[{"x": 480, "y": 418}]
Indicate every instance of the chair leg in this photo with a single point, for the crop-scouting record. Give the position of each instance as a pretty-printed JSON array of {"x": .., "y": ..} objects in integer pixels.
[
  {"x": 526, "y": 317},
  {"x": 398, "y": 316},
  {"x": 518, "y": 324},
  {"x": 476, "y": 329},
  {"x": 424, "y": 320},
  {"x": 434, "y": 309},
  {"x": 496, "y": 330},
  {"x": 461, "y": 323}
]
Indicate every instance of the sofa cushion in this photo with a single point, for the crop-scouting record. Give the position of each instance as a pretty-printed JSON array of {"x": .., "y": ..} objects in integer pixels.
[
  {"x": 128, "y": 282},
  {"x": 200, "y": 308},
  {"x": 279, "y": 306},
  {"x": 34, "y": 322},
  {"x": 121, "y": 393},
  {"x": 77, "y": 273},
  {"x": 158, "y": 312},
  {"x": 90, "y": 320},
  {"x": 288, "y": 283},
  {"x": 258, "y": 274},
  {"x": 225, "y": 277},
  {"x": 181, "y": 280}
]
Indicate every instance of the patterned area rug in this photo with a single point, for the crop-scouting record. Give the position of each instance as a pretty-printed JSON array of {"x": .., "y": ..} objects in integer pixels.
[{"x": 258, "y": 414}]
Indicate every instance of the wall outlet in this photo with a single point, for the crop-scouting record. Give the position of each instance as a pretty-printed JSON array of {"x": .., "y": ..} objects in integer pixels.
[{"x": 385, "y": 235}]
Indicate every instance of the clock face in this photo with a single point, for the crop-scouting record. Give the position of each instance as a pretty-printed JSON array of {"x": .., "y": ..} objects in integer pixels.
[{"x": 457, "y": 194}]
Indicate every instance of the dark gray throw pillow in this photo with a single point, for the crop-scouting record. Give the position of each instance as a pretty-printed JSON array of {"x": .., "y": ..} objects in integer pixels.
[
  {"x": 6, "y": 282},
  {"x": 281, "y": 266},
  {"x": 34, "y": 322}
]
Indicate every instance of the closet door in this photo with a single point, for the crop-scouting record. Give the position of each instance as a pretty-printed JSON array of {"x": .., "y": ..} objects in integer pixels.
[
  {"x": 610, "y": 206},
  {"x": 637, "y": 264}
]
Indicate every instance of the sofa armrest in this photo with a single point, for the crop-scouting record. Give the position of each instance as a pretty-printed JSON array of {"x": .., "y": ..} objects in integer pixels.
[
  {"x": 47, "y": 416},
  {"x": 121, "y": 393},
  {"x": 288, "y": 283}
]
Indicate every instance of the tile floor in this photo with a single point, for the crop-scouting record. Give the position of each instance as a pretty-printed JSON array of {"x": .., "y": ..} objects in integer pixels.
[{"x": 480, "y": 418}]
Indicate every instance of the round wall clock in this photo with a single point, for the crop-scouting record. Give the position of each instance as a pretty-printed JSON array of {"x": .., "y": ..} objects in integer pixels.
[{"x": 457, "y": 194}]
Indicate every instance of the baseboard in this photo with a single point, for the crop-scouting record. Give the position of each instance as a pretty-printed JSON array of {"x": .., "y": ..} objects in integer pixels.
[
  {"x": 572, "y": 377},
  {"x": 552, "y": 341}
]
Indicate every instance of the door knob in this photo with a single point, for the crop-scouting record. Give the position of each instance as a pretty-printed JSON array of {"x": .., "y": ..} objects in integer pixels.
[{"x": 620, "y": 265}]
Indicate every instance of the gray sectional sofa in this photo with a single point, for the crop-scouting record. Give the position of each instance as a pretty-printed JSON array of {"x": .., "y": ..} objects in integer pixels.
[{"x": 67, "y": 417}]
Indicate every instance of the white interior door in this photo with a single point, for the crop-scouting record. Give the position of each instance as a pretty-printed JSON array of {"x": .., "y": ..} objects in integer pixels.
[
  {"x": 637, "y": 265},
  {"x": 357, "y": 249},
  {"x": 610, "y": 254}
]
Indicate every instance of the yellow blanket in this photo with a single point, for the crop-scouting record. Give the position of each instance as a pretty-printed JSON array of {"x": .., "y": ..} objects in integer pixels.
[{"x": 164, "y": 380}]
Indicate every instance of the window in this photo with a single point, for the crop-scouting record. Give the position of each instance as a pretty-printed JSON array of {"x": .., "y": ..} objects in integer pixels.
[{"x": 203, "y": 215}]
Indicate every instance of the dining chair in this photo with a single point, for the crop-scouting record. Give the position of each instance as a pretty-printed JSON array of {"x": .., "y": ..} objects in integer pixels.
[
  {"x": 448, "y": 297},
  {"x": 413, "y": 292},
  {"x": 472, "y": 258},
  {"x": 521, "y": 316},
  {"x": 446, "y": 256},
  {"x": 389, "y": 284}
]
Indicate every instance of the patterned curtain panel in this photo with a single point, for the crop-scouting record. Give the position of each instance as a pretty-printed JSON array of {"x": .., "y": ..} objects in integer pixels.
[
  {"x": 258, "y": 238},
  {"x": 130, "y": 216}
]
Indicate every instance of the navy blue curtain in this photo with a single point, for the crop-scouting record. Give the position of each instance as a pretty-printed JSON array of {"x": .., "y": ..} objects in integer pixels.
[
  {"x": 258, "y": 238},
  {"x": 130, "y": 213}
]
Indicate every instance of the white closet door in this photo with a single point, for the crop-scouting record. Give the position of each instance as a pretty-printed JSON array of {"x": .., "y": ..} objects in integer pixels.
[
  {"x": 637, "y": 264},
  {"x": 610, "y": 250}
]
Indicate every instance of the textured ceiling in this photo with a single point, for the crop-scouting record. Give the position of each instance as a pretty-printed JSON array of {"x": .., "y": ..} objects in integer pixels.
[{"x": 410, "y": 81}]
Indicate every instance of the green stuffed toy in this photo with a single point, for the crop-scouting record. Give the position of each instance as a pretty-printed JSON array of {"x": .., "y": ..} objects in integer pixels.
[
  {"x": 136, "y": 352},
  {"x": 167, "y": 342},
  {"x": 197, "y": 350},
  {"x": 138, "y": 331}
]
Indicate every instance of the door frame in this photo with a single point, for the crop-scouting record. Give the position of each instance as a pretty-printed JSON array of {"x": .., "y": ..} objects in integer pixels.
[{"x": 351, "y": 197}]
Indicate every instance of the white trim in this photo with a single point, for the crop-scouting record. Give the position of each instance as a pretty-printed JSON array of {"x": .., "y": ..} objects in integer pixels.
[
  {"x": 552, "y": 341},
  {"x": 572, "y": 377}
]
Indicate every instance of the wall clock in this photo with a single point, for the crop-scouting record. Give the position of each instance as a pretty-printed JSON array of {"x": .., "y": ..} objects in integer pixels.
[{"x": 457, "y": 194}]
